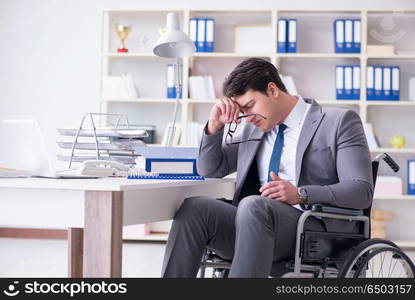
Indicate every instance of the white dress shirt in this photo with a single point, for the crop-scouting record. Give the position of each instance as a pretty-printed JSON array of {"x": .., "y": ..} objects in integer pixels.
[{"x": 294, "y": 123}]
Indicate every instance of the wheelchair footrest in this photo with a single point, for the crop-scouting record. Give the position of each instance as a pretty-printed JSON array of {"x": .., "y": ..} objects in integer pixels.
[{"x": 320, "y": 247}]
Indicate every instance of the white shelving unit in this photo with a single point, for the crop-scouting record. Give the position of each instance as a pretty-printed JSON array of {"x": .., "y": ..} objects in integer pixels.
[{"x": 312, "y": 69}]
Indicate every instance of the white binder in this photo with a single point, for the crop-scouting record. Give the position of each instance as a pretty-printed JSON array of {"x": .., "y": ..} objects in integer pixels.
[
  {"x": 348, "y": 35},
  {"x": 339, "y": 35},
  {"x": 193, "y": 30},
  {"x": 356, "y": 82},
  {"x": 210, "y": 35},
  {"x": 201, "y": 27},
  {"x": 386, "y": 91},
  {"x": 339, "y": 82},
  {"x": 378, "y": 83},
  {"x": 282, "y": 36},
  {"x": 395, "y": 83},
  {"x": 348, "y": 77}
]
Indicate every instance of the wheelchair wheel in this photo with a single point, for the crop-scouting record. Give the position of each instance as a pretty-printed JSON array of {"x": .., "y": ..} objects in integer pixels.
[{"x": 377, "y": 258}]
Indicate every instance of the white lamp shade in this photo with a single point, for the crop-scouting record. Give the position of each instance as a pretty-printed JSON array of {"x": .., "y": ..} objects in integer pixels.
[{"x": 173, "y": 43}]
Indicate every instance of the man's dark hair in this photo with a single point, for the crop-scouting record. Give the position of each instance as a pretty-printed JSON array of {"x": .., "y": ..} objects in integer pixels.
[{"x": 252, "y": 73}]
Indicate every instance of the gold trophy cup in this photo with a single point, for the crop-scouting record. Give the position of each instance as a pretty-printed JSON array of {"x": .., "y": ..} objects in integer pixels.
[{"x": 122, "y": 32}]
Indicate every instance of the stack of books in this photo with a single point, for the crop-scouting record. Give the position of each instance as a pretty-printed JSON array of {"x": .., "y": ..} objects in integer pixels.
[
  {"x": 201, "y": 87},
  {"x": 119, "y": 87}
]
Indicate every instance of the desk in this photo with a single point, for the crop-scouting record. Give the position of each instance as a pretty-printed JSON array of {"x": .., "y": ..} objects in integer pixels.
[{"x": 100, "y": 206}]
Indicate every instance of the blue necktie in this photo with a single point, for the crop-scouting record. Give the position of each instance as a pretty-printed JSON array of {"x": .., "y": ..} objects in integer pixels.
[{"x": 274, "y": 163}]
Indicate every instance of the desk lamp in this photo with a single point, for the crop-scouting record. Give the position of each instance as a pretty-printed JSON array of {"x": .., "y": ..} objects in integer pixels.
[{"x": 174, "y": 43}]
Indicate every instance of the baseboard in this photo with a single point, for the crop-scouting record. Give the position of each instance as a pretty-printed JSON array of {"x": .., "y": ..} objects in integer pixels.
[{"x": 34, "y": 233}]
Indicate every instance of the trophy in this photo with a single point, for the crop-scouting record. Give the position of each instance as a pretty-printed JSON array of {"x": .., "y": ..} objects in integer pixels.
[{"x": 122, "y": 32}]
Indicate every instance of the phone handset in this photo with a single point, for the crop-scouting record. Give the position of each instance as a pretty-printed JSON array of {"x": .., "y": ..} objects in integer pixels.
[{"x": 103, "y": 168}]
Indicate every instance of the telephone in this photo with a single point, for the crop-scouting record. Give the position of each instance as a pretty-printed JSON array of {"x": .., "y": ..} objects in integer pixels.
[{"x": 103, "y": 168}]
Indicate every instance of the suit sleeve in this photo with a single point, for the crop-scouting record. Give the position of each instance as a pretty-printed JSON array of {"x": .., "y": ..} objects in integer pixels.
[
  {"x": 215, "y": 159},
  {"x": 354, "y": 169}
]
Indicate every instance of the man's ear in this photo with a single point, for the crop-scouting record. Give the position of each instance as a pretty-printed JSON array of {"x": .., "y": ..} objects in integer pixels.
[{"x": 273, "y": 90}]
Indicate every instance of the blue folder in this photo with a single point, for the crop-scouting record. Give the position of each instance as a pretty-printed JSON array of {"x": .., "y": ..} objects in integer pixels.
[
  {"x": 338, "y": 30},
  {"x": 282, "y": 36},
  {"x": 395, "y": 93},
  {"x": 210, "y": 35},
  {"x": 292, "y": 36},
  {"x": 370, "y": 82},
  {"x": 411, "y": 177}
]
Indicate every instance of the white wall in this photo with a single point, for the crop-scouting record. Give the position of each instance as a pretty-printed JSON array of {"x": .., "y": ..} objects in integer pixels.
[{"x": 50, "y": 51}]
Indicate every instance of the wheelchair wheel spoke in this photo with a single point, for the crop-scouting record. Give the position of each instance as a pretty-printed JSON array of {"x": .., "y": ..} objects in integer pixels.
[{"x": 393, "y": 269}]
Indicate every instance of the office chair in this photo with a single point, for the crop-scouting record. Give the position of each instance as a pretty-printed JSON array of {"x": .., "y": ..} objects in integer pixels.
[{"x": 334, "y": 254}]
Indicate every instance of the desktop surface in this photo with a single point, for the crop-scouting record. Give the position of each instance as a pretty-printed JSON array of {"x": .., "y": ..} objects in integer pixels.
[{"x": 102, "y": 184}]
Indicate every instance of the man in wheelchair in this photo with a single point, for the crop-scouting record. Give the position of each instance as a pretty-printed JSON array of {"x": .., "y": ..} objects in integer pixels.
[{"x": 290, "y": 155}]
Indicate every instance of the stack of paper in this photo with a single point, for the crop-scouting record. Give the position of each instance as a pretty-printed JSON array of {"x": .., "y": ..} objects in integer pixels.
[
  {"x": 119, "y": 87},
  {"x": 371, "y": 138},
  {"x": 201, "y": 87},
  {"x": 194, "y": 133}
]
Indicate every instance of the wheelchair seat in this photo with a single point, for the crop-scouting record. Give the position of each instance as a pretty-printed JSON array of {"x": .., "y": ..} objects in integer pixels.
[{"x": 333, "y": 254}]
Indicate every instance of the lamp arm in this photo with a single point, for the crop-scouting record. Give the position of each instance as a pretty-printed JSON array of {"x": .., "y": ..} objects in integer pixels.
[{"x": 179, "y": 84}]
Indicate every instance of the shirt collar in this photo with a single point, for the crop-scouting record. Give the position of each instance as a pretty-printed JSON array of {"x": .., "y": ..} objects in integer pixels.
[{"x": 296, "y": 116}]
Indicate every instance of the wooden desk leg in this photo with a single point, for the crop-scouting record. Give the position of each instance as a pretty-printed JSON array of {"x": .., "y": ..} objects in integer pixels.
[
  {"x": 103, "y": 234},
  {"x": 75, "y": 252}
]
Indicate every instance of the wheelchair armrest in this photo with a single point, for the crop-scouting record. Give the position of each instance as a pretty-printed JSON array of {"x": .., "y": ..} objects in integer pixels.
[
  {"x": 225, "y": 200},
  {"x": 336, "y": 210}
]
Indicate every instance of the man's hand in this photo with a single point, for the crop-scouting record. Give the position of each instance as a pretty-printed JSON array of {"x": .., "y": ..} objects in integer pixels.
[
  {"x": 280, "y": 190},
  {"x": 223, "y": 112}
]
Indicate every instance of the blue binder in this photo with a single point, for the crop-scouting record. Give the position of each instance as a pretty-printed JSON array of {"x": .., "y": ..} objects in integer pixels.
[
  {"x": 338, "y": 29},
  {"x": 370, "y": 82},
  {"x": 348, "y": 81},
  {"x": 411, "y": 177},
  {"x": 282, "y": 36},
  {"x": 167, "y": 177},
  {"x": 348, "y": 36},
  {"x": 356, "y": 44},
  {"x": 210, "y": 35},
  {"x": 201, "y": 35},
  {"x": 395, "y": 93},
  {"x": 340, "y": 83},
  {"x": 387, "y": 82},
  {"x": 378, "y": 83},
  {"x": 356, "y": 83},
  {"x": 171, "y": 88},
  {"x": 193, "y": 30},
  {"x": 172, "y": 166},
  {"x": 292, "y": 36}
]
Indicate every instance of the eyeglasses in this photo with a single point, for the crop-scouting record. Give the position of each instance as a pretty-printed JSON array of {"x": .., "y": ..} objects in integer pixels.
[{"x": 232, "y": 128}]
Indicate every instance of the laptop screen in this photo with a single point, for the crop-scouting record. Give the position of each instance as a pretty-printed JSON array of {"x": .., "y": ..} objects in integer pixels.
[{"x": 22, "y": 147}]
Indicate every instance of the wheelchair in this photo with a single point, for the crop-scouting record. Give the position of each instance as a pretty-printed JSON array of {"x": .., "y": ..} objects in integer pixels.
[{"x": 333, "y": 254}]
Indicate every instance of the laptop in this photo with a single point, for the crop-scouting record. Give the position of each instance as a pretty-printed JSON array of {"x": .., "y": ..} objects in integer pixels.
[{"x": 22, "y": 147}]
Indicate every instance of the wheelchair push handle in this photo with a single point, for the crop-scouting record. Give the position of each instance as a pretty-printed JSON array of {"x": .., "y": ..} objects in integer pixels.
[{"x": 391, "y": 163}]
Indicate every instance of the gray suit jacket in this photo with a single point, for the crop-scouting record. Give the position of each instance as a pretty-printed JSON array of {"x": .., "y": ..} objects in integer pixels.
[{"x": 332, "y": 160}]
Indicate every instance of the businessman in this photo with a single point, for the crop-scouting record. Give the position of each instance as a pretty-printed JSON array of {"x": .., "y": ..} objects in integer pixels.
[{"x": 291, "y": 152}]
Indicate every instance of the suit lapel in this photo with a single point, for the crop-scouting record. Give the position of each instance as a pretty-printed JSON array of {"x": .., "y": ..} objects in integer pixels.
[{"x": 311, "y": 123}]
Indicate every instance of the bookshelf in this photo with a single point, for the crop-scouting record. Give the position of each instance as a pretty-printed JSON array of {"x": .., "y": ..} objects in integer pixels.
[{"x": 312, "y": 68}]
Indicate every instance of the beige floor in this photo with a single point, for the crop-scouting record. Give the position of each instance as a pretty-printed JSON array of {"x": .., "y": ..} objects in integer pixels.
[{"x": 47, "y": 258}]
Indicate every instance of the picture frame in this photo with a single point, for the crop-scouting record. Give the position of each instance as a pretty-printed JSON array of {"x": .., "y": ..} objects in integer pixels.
[{"x": 252, "y": 38}]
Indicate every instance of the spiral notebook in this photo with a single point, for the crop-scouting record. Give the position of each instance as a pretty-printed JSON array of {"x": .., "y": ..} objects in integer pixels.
[{"x": 167, "y": 177}]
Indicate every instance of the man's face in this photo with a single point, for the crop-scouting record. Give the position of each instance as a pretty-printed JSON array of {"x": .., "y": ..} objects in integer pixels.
[{"x": 254, "y": 102}]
